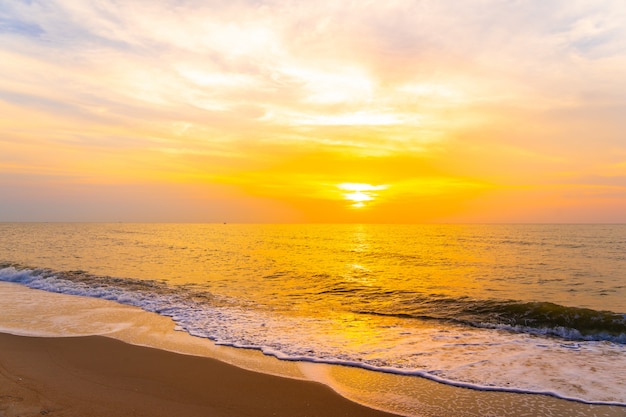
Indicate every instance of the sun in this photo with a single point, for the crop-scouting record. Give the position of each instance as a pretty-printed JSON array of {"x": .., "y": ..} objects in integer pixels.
[{"x": 360, "y": 194}]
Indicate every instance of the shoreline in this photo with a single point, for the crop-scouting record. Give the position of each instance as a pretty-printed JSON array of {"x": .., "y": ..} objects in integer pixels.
[
  {"x": 46, "y": 335},
  {"x": 101, "y": 376}
]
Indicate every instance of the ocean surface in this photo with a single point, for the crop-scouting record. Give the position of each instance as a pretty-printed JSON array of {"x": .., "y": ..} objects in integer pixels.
[{"x": 521, "y": 308}]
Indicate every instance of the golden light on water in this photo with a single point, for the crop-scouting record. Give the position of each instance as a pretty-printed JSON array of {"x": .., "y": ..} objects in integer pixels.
[{"x": 360, "y": 194}]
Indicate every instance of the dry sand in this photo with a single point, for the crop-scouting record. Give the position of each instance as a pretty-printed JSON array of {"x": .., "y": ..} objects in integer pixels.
[{"x": 98, "y": 376}]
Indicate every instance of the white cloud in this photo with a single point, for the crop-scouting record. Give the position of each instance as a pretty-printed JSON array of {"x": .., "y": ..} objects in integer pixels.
[{"x": 323, "y": 62}]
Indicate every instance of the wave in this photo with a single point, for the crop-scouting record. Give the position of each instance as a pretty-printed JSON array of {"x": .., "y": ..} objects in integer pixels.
[
  {"x": 542, "y": 318},
  {"x": 232, "y": 322},
  {"x": 150, "y": 295},
  {"x": 571, "y": 323}
]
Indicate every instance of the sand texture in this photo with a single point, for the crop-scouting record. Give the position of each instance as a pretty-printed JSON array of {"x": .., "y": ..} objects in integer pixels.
[{"x": 99, "y": 376}]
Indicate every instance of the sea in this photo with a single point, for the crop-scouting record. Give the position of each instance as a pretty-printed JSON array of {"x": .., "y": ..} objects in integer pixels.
[{"x": 535, "y": 309}]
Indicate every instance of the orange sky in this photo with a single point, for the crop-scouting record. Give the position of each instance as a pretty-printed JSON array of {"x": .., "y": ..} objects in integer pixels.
[{"x": 301, "y": 111}]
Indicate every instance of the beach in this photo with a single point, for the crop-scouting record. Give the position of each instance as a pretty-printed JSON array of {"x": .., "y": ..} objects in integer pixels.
[
  {"x": 312, "y": 208},
  {"x": 100, "y": 376},
  {"x": 302, "y": 320}
]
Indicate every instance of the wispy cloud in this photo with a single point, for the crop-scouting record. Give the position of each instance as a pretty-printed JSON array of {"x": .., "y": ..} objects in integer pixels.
[{"x": 203, "y": 90}]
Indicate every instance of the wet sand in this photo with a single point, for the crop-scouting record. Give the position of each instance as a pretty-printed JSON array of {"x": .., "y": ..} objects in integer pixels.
[
  {"x": 88, "y": 375},
  {"x": 99, "y": 376}
]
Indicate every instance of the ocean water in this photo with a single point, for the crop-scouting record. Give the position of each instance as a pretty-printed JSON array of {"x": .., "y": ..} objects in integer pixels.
[{"x": 521, "y": 308}]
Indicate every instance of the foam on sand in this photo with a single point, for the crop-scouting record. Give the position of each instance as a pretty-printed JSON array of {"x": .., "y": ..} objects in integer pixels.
[{"x": 38, "y": 313}]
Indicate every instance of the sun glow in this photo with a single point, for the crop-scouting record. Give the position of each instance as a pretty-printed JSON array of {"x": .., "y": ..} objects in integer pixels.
[
  {"x": 299, "y": 112},
  {"x": 360, "y": 193}
]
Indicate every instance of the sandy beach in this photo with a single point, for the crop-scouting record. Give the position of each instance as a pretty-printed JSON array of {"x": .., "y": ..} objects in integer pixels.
[
  {"x": 59, "y": 366},
  {"x": 99, "y": 376}
]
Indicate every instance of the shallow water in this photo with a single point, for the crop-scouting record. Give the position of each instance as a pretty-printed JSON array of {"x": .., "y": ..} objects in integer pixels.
[{"x": 530, "y": 308}]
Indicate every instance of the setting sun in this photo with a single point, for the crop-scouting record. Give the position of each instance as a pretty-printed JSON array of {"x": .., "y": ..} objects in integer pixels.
[
  {"x": 360, "y": 194},
  {"x": 305, "y": 111}
]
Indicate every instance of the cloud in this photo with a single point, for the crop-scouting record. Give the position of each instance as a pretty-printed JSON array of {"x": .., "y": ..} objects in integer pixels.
[
  {"x": 20, "y": 27},
  {"x": 300, "y": 56},
  {"x": 508, "y": 90}
]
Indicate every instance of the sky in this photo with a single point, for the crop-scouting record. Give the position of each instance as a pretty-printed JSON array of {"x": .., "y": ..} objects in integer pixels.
[{"x": 313, "y": 111}]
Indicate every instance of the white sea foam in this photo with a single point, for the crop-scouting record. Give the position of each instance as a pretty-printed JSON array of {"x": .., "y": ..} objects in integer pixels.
[
  {"x": 64, "y": 318},
  {"x": 487, "y": 359}
]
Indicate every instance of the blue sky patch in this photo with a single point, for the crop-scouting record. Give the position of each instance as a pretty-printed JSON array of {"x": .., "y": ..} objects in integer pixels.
[{"x": 19, "y": 27}]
